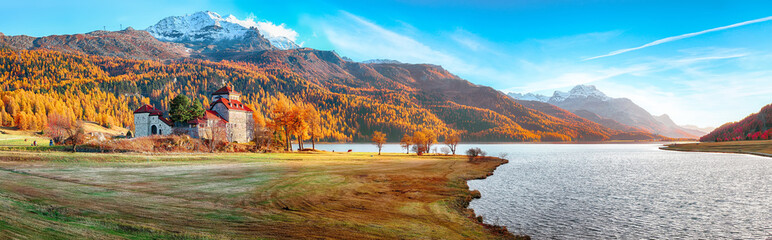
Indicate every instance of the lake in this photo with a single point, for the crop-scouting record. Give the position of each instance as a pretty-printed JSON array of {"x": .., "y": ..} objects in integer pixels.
[{"x": 629, "y": 191}]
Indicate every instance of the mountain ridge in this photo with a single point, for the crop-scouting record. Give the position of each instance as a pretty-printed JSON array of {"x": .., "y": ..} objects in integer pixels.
[
  {"x": 128, "y": 43},
  {"x": 615, "y": 113},
  {"x": 422, "y": 94}
]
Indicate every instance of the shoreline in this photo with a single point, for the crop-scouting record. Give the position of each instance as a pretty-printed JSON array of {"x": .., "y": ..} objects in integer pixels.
[
  {"x": 475, "y": 194},
  {"x": 762, "y": 148}
]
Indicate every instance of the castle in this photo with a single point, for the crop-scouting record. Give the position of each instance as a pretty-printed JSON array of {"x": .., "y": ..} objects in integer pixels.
[{"x": 226, "y": 116}]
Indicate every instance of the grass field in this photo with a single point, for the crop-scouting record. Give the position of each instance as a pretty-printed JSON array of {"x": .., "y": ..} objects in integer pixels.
[
  {"x": 57, "y": 195},
  {"x": 13, "y": 137},
  {"x": 758, "y": 147}
]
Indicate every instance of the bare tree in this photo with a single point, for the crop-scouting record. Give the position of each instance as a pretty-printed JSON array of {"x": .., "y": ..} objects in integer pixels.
[
  {"x": 218, "y": 134},
  {"x": 262, "y": 137},
  {"x": 445, "y": 150},
  {"x": 452, "y": 142},
  {"x": 62, "y": 129}
]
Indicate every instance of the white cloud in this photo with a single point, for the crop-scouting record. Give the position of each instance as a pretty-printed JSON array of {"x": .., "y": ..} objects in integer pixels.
[
  {"x": 267, "y": 28},
  {"x": 272, "y": 30},
  {"x": 682, "y": 36},
  {"x": 684, "y": 86},
  {"x": 361, "y": 39}
]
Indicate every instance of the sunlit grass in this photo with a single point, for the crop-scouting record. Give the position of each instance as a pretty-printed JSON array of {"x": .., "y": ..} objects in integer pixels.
[{"x": 240, "y": 195}]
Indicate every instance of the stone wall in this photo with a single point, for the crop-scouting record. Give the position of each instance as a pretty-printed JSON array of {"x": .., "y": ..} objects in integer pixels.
[
  {"x": 222, "y": 111},
  {"x": 163, "y": 129},
  {"x": 141, "y": 124},
  {"x": 238, "y": 126}
]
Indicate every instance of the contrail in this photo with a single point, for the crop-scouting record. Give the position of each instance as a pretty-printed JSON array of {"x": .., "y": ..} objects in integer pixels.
[{"x": 679, "y": 37}]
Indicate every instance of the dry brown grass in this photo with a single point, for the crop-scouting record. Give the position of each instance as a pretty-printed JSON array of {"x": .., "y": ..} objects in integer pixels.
[
  {"x": 243, "y": 196},
  {"x": 758, "y": 147},
  {"x": 154, "y": 144}
]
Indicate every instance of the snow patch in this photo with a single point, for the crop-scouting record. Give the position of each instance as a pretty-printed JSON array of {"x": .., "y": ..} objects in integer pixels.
[{"x": 580, "y": 91}]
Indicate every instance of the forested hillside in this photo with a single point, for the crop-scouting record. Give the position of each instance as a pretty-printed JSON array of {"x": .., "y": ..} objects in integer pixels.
[
  {"x": 757, "y": 126},
  {"x": 354, "y": 98}
]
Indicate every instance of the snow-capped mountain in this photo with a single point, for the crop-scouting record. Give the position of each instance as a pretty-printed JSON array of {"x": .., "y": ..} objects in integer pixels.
[
  {"x": 383, "y": 61},
  {"x": 579, "y": 92},
  {"x": 205, "y": 28},
  {"x": 529, "y": 97},
  {"x": 616, "y": 113}
]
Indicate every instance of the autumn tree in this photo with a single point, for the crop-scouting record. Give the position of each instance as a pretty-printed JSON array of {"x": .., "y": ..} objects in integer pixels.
[
  {"x": 299, "y": 123},
  {"x": 314, "y": 120},
  {"x": 379, "y": 139},
  {"x": 423, "y": 141},
  {"x": 283, "y": 118},
  {"x": 405, "y": 142},
  {"x": 419, "y": 140},
  {"x": 452, "y": 142}
]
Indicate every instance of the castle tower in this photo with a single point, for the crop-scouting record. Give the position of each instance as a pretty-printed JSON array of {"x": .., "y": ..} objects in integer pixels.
[
  {"x": 240, "y": 124},
  {"x": 227, "y": 93}
]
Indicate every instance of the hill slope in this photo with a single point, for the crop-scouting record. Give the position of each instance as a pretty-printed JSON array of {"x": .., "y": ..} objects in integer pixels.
[
  {"x": 753, "y": 127},
  {"x": 128, "y": 43},
  {"x": 356, "y": 98}
]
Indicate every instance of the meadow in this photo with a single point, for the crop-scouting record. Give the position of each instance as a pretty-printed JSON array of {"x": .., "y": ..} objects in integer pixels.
[{"x": 55, "y": 195}]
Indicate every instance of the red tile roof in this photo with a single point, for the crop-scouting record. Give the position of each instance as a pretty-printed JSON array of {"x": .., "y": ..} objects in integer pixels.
[
  {"x": 167, "y": 121},
  {"x": 148, "y": 109},
  {"x": 209, "y": 114},
  {"x": 225, "y": 90},
  {"x": 232, "y": 104}
]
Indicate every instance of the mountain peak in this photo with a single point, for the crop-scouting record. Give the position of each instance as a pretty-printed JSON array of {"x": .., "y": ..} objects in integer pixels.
[
  {"x": 529, "y": 97},
  {"x": 580, "y": 91},
  {"x": 207, "y": 27},
  {"x": 382, "y": 61}
]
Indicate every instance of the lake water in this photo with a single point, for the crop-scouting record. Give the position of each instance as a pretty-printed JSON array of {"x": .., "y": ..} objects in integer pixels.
[{"x": 628, "y": 191}]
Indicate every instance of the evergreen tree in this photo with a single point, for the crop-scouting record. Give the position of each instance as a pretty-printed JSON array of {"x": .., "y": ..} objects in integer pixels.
[
  {"x": 180, "y": 109},
  {"x": 196, "y": 109}
]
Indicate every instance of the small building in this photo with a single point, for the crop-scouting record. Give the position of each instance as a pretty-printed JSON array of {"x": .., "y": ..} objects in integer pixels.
[
  {"x": 149, "y": 121},
  {"x": 226, "y": 116}
]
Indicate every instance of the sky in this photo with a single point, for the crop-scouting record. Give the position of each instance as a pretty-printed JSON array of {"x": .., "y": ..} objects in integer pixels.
[{"x": 701, "y": 62}]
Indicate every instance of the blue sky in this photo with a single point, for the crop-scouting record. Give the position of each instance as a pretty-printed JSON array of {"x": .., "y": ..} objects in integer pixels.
[{"x": 707, "y": 78}]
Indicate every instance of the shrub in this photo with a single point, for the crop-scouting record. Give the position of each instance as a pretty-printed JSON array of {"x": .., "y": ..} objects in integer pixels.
[
  {"x": 155, "y": 144},
  {"x": 475, "y": 152}
]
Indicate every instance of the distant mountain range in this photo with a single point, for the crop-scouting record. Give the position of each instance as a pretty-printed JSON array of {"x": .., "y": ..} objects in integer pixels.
[
  {"x": 381, "y": 61},
  {"x": 623, "y": 114},
  {"x": 384, "y": 95}
]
